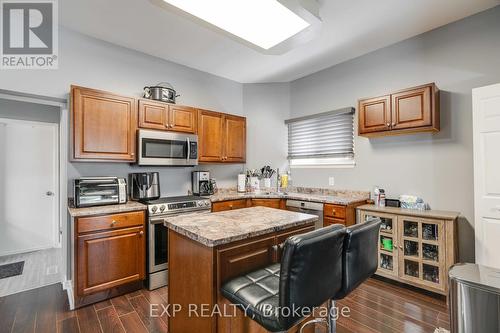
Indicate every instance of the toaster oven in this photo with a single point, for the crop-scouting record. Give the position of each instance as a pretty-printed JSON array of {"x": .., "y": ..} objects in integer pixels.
[{"x": 98, "y": 191}]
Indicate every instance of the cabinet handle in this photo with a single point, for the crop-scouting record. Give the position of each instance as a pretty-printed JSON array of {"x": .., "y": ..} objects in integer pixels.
[
  {"x": 113, "y": 223},
  {"x": 171, "y": 125},
  {"x": 388, "y": 124},
  {"x": 141, "y": 233},
  {"x": 393, "y": 124},
  {"x": 132, "y": 154}
]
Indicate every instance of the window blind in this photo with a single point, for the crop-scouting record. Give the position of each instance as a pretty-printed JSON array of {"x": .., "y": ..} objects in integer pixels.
[{"x": 324, "y": 135}]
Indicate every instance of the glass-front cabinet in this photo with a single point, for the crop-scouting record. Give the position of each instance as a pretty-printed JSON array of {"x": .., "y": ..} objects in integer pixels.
[
  {"x": 388, "y": 260},
  {"x": 422, "y": 249},
  {"x": 414, "y": 249}
]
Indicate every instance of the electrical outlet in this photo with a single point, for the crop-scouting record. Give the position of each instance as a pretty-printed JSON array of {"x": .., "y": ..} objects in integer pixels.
[{"x": 331, "y": 181}]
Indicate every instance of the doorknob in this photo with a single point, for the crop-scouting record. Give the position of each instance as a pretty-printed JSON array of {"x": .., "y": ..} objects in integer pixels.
[{"x": 49, "y": 193}]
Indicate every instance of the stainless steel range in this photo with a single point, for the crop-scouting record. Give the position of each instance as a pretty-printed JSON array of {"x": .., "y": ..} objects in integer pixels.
[{"x": 158, "y": 210}]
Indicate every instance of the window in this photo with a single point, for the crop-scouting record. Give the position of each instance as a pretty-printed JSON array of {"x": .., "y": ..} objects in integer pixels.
[{"x": 324, "y": 139}]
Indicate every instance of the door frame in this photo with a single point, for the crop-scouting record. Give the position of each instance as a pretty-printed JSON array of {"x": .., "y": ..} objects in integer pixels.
[
  {"x": 55, "y": 233},
  {"x": 63, "y": 151}
]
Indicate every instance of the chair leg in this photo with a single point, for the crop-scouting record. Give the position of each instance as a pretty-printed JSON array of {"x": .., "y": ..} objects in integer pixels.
[
  {"x": 332, "y": 317},
  {"x": 330, "y": 321}
]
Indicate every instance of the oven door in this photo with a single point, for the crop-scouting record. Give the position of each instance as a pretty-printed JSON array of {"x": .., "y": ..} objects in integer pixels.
[
  {"x": 167, "y": 148},
  {"x": 158, "y": 246},
  {"x": 158, "y": 242}
]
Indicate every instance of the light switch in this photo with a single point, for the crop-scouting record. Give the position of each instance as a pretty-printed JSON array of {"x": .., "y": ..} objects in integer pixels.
[{"x": 331, "y": 181}]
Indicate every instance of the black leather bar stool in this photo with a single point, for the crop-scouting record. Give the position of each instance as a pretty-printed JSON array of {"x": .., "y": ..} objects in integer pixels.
[
  {"x": 315, "y": 268},
  {"x": 359, "y": 262}
]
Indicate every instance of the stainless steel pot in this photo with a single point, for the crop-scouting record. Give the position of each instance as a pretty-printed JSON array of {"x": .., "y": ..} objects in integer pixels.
[{"x": 161, "y": 92}]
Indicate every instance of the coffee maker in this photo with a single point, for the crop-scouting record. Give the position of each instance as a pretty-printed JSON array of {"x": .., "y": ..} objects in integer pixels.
[
  {"x": 144, "y": 186},
  {"x": 201, "y": 183}
]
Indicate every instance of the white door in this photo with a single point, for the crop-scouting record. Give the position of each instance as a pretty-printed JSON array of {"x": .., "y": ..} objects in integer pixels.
[
  {"x": 486, "y": 125},
  {"x": 28, "y": 186}
]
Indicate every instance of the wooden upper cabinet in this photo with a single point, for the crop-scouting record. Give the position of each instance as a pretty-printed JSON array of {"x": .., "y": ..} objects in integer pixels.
[
  {"x": 104, "y": 125},
  {"x": 182, "y": 118},
  {"x": 234, "y": 139},
  {"x": 153, "y": 115},
  {"x": 412, "y": 108},
  {"x": 210, "y": 136},
  {"x": 167, "y": 117},
  {"x": 221, "y": 137},
  {"x": 374, "y": 114},
  {"x": 407, "y": 111}
]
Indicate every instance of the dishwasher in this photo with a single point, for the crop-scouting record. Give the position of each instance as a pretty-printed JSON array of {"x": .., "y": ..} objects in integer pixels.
[{"x": 307, "y": 207}]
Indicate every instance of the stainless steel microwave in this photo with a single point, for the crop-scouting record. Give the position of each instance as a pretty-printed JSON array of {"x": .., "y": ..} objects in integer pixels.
[{"x": 167, "y": 148}]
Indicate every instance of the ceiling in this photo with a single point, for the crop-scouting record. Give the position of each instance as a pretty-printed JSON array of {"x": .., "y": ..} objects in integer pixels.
[{"x": 350, "y": 29}]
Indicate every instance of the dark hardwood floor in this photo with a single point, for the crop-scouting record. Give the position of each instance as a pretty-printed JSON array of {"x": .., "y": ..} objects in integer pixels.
[{"x": 376, "y": 306}]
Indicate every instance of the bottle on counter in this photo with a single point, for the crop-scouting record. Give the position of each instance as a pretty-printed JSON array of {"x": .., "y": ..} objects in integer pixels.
[
  {"x": 242, "y": 181},
  {"x": 382, "y": 198},
  {"x": 376, "y": 196}
]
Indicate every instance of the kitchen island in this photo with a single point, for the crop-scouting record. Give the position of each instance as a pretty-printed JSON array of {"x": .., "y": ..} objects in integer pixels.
[{"x": 206, "y": 250}]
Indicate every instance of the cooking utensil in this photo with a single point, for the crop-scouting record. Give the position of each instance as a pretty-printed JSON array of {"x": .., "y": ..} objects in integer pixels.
[{"x": 163, "y": 91}]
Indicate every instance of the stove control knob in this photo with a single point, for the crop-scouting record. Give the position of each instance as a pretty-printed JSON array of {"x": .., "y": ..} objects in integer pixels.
[
  {"x": 162, "y": 208},
  {"x": 154, "y": 209},
  {"x": 207, "y": 203},
  {"x": 200, "y": 203}
]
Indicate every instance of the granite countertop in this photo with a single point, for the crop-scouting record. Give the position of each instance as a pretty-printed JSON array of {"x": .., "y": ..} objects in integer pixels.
[
  {"x": 432, "y": 214},
  {"x": 130, "y": 206},
  {"x": 213, "y": 229},
  {"x": 332, "y": 197}
]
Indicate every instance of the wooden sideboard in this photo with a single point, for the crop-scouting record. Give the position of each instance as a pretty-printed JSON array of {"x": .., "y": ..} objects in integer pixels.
[{"x": 415, "y": 247}]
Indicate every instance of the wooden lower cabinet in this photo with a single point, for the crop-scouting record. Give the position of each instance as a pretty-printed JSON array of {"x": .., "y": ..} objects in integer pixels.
[
  {"x": 417, "y": 250},
  {"x": 111, "y": 256},
  {"x": 271, "y": 203},
  {"x": 229, "y": 205},
  {"x": 244, "y": 203},
  {"x": 340, "y": 214}
]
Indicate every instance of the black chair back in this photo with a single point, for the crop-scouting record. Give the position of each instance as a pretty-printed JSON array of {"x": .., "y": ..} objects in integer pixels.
[
  {"x": 311, "y": 269},
  {"x": 360, "y": 255}
]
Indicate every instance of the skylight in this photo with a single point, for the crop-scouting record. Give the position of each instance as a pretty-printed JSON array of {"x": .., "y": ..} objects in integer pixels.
[{"x": 265, "y": 23}]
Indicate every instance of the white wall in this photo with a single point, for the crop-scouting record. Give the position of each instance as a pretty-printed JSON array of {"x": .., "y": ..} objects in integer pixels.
[
  {"x": 266, "y": 106},
  {"x": 93, "y": 63},
  {"x": 458, "y": 57}
]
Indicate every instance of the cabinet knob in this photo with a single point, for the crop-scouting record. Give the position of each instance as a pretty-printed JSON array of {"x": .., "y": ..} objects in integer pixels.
[
  {"x": 388, "y": 124},
  {"x": 141, "y": 233},
  {"x": 113, "y": 223},
  {"x": 132, "y": 154},
  {"x": 393, "y": 124}
]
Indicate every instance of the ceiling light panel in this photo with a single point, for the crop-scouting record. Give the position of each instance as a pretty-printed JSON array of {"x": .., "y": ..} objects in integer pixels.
[{"x": 265, "y": 23}]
